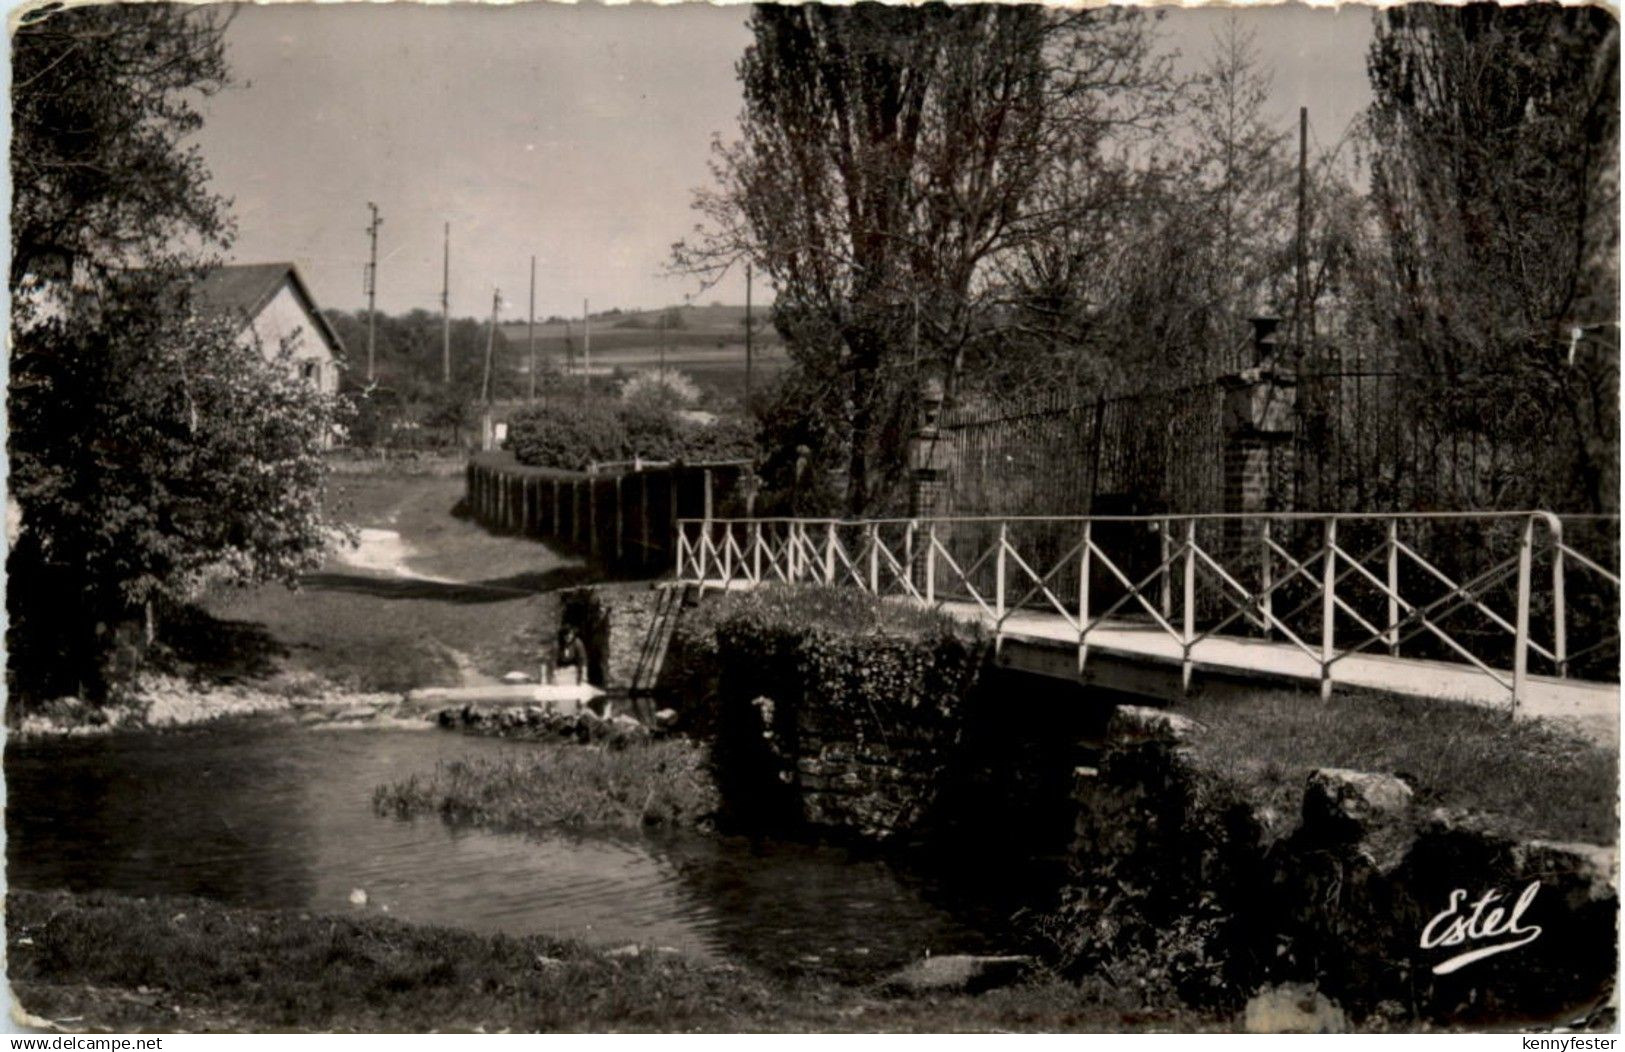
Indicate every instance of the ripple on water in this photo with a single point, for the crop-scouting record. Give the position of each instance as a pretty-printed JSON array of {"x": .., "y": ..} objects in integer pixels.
[{"x": 281, "y": 816}]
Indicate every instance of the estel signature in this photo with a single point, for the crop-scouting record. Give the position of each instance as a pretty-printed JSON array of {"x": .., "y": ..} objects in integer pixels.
[{"x": 1454, "y": 926}]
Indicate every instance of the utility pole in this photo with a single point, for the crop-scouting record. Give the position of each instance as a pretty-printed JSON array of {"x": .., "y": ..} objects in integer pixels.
[
  {"x": 1303, "y": 234},
  {"x": 663, "y": 320},
  {"x": 445, "y": 311},
  {"x": 372, "y": 288},
  {"x": 490, "y": 346},
  {"x": 530, "y": 330},
  {"x": 748, "y": 344},
  {"x": 586, "y": 345}
]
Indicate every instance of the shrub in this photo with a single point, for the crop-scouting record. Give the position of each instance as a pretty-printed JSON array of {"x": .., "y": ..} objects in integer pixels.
[
  {"x": 602, "y": 430},
  {"x": 574, "y": 439},
  {"x": 660, "y": 388}
]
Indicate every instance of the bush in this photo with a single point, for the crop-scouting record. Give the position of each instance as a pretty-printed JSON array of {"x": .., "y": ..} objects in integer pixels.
[
  {"x": 574, "y": 439},
  {"x": 801, "y": 669},
  {"x": 662, "y": 389},
  {"x": 603, "y": 430}
]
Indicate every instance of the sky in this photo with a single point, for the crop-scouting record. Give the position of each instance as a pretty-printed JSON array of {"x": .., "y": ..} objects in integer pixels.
[{"x": 577, "y": 134}]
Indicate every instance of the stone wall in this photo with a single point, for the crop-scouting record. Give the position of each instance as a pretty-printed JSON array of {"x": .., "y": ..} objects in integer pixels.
[{"x": 1173, "y": 865}]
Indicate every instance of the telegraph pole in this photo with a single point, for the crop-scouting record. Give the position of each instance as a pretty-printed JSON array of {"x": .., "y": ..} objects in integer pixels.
[
  {"x": 748, "y": 347},
  {"x": 490, "y": 346},
  {"x": 1303, "y": 232},
  {"x": 372, "y": 287},
  {"x": 445, "y": 311},
  {"x": 586, "y": 345},
  {"x": 530, "y": 330}
]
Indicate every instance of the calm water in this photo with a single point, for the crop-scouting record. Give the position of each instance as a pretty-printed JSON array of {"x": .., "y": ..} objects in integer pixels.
[{"x": 272, "y": 815}]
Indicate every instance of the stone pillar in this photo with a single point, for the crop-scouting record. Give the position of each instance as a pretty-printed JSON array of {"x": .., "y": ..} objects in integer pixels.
[
  {"x": 928, "y": 477},
  {"x": 1260, "y": 406}
]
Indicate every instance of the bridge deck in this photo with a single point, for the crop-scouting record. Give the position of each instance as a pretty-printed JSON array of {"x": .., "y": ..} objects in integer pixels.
[{"x": 1590, "y": 707}]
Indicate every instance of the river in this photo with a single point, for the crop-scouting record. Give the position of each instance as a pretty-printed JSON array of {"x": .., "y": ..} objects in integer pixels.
[{"x": 267, "y": 814}]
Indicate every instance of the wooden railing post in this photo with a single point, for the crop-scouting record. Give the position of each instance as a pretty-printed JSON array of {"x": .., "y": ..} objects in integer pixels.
[
  {"x": 998, "y": 571},
  {"x": 931, "y": 563},
  {"x": 1266, "y": 580},
  {"x": 829, "y": 555},
  {"x": 727, "y": 552},
  {"x": 1520, "y": 651},
  {"x": 1328, "y": 608},
  {"x": 1083, "y": 597},
  {"x": 756, "y": 552},
  {"x": 874, "y": 558},
  {"x": 1166, "y": 588},
  {"x": 1393, "y": 587},
  {"x": 1189, "y": 641},
  {"x": 1560, "y": 613}
]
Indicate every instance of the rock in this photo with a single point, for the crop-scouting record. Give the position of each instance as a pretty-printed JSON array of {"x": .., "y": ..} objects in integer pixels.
[
  {"x": 358, "y": 897},
  {"x": 548, "y": 962},
  {"x": 1591, "y": 867},
  {"x": 1349, "y": 804},
  {"x": 1293, "y": 1008},
  {"x": 516, "y": 677},
  {"x": 960, "y": 971},
  {"x": 665, "y": 718},
  {"x": 1143, "y": 723},
  {"x": 357, "y": 712},
  {"x": 631, "y": 949}
]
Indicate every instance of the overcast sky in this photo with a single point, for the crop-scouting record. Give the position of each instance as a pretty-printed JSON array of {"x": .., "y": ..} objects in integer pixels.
[{"x": 574, "y": 133}]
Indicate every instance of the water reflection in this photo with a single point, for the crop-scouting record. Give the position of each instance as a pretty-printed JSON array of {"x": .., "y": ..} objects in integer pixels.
[{"x": 271, "y": 815}]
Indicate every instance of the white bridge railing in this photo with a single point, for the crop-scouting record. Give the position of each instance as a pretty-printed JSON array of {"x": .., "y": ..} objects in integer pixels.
[{"x": 1510, "y": 594}]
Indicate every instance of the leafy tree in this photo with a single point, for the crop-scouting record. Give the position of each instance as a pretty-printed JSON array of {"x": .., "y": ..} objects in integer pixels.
[
  {"x": 151, "y": 448},
  {"x": 888, "y": 157},
  {"x": 1494, "y": 137}
]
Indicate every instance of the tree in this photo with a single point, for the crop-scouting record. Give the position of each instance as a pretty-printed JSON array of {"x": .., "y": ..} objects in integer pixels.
[
  {"x": 1494, "y": 137},
  {"x": 150, "y": 447},
  {"x": 888, "y": 157}
]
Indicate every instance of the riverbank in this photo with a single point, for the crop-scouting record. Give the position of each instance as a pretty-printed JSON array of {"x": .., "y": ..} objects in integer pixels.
[{"x": 105, "y": 963}]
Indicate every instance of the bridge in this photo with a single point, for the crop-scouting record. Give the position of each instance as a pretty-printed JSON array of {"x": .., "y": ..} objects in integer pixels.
[{"x": 1516, "y": 610}]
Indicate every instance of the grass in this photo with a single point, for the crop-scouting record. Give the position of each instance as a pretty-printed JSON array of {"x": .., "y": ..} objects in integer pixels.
[
  {"x": 665, "y": 783},
  {"x": 128, "y": 965},
  {"x": 1525, "y": 778},
  {"x": 474, "y": 607}
]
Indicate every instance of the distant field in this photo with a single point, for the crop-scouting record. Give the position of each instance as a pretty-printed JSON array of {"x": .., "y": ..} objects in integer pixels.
[{"x": 709, "y": 346}]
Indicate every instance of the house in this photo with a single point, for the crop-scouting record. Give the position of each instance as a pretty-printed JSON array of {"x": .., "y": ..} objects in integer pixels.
[{"x": 273, "y": 305}]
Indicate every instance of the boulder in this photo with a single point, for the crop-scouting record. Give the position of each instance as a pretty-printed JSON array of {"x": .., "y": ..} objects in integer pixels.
[
  {"x": 1344, "y": 806},
  {"x": 961, "y": 971},
  {"x": 1143, "y": 723}
]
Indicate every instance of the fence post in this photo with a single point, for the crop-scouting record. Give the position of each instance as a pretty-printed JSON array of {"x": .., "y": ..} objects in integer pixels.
[
  {"x": 908, "y": 552},
  {"x": 1393, "y": 587},
  {"x": 874, "y": 558},
  {"x": 931, "y": 563},
  {"x": 1520, "y": 652},
  {"x": 1560, "y": 613},
  {"x": 682, "y": 545},
  {"x": 1266, "y": 580},
  {"x": 1083, "y": 598},
  {"x": 1187, "y": 667},
  {"x": 829, "y": 555},
  {"x": 1328, "y": 608},
  {"x": 620, "y": 523},
  {"x": 643, "y": 519},
  {"x": 727, "y": 552},
  {"x": 756, "y": 552}
]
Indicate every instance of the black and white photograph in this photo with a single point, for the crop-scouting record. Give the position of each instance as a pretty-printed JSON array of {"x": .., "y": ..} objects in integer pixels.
[{"x": 875, "y": 518}]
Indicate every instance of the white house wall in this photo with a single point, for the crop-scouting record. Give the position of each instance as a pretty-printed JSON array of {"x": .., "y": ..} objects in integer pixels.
[{"x": 286, "y": 317}]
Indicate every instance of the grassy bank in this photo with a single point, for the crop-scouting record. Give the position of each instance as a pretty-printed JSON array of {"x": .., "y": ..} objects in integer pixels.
[
  {"x": 1526, "y": 778},
  {"x": 458, "y": 604},
  {"x": 110, "y": 963},
  {"x": 664, "y": 783}
]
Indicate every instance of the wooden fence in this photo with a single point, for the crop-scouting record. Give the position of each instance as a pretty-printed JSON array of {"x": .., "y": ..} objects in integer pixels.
[{"x": 624, "y": 519}]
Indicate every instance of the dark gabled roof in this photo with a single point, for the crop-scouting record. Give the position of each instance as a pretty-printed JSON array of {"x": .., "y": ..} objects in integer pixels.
[{"x": 245, "y": 289}]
